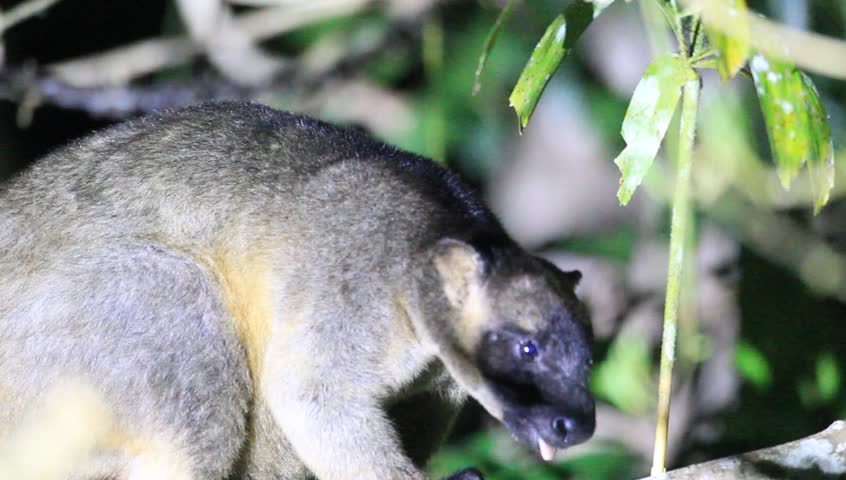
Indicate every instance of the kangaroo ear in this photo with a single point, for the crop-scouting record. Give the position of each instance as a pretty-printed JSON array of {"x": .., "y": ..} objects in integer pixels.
[
  {"x": 460, "y": 267},
  {"x": 572, "y": 277}
]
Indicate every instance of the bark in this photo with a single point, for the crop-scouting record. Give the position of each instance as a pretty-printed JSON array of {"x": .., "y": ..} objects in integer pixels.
[{"x": 819, "y": 457}]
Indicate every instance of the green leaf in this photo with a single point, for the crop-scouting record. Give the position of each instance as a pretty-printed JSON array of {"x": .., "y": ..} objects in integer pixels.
[
  {"x": 781, "y": 95},
  {"x": 624, "y": 378},
  {"x": 727, "y": 24},
  {"x": 556, "y": 43},
  {"x": 797, "y": 124},
  {"x": 617, "y": 245},
  {"x": 605, "y": 461},
  {"x": 821, "y": 160},
  {"x": 752, "y": 366},
  {"x": 647, "y": 118},
  {"x": 489, "y": 43},
  {"x": 828, "y": 376}
]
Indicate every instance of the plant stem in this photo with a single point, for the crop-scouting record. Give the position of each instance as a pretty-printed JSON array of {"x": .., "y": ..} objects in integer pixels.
[
  {"x": 702, "y": 55},
  {"x": 678, "y": 237},
  {"x": 695, "y": 37}
]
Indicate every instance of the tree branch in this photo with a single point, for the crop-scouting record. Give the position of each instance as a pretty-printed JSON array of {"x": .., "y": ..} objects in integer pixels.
[
  {"x": 807, "y": 50},
  {"x": 23, "y": 11},
  {"x": 821, "y": 456},
  {"x": 123, "y": 64},
  {"x": 122, "y": 101}
]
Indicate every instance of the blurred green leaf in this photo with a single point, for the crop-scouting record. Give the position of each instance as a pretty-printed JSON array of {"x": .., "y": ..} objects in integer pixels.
[
  {"x": 609, "y": 462},
  {"x": 433, "y": 65},
  {"x": 821, "y": 160},
  {"x": 301, "y": 38},
  {"x": 474, "y": 451},
  {"x": 647, "y": 118},
  {"x": 828, "y": 377},
  {"x": 489, "y": 43},
  {"x": 624, "y": 379},
  {"x": 500, "y": 458},
  {"x": 390, "y": 66},
  {"x": 731, "y": 38},
  {"x": 618, "y": 244},
  {"x": 753, "y": 366},
  {"x": 724, "y": 142},
  {"x": 605, "y": 113},
  {"x": 797, "y": 124},
  {"x": 556, "y": 43}
]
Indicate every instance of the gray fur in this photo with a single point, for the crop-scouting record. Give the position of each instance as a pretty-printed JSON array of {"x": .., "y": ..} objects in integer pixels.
[{"x": 104, "y": 276}]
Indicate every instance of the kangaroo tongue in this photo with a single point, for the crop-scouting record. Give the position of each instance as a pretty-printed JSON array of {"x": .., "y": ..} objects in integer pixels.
[{"x": 547, "y": 451}]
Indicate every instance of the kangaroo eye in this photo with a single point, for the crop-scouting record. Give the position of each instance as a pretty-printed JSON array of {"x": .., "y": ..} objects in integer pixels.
[{"x": 528, "y": 350}]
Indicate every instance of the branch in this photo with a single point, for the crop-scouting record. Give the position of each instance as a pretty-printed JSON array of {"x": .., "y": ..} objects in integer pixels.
[
  {"x": 809, "y": 50},
  {"x": 821, "y": 456},
  {"x": 21, "y": 83},
  {"x": 776, "y": 236},
  {"x": 114, "y": 102},
  {"x": 228, "y": 48},
  {"x": 123, "y": 64},
  {"x": 23, "y": 11},
  {"x": 785, "y": 242}
]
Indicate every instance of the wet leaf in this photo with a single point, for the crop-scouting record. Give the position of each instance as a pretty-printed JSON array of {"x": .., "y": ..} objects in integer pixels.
[
  {"x": 828, "y": 377},
  {"x": 624, "y": 378},
  {"x": 821, "y": 160},
  {"x": 781, "y": 94},
  {"x": 753, "y": 366},
  {"x": 647, "y": 118},
  {"x": 797, "y": 124},
  {"x": 556, "y": 43},
  {"x": 489, "y": 43},
  {"x": 727, "y": 24}
]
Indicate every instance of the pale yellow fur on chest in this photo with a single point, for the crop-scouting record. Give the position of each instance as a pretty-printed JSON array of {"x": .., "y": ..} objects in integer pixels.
[{"x": 245, "y": 280}]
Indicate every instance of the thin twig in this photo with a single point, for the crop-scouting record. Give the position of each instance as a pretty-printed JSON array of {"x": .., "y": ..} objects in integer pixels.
[
  {"x": 123, "y": 64},
  {"x": 122, "y": 101},
  {"x": 229, "y": 49},
  {"x": 785, "y": 242}
]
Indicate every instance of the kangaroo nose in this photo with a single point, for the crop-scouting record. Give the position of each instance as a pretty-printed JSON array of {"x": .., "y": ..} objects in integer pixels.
[
  {"x": 573, "y": 429},
  {"x": 561, "y": 426}
]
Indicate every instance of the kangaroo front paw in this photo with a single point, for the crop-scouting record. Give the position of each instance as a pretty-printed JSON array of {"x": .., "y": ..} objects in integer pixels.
[{"x": 466, "y": 474}]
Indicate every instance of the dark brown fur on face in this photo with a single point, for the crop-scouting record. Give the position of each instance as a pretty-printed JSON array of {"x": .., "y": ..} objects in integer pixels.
[
  {"x": 261, "y": 294},
  {"x": 530, "y": 339}
]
